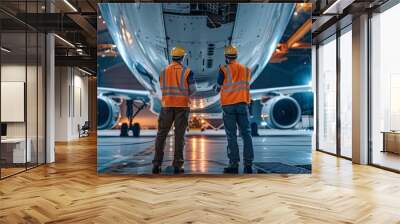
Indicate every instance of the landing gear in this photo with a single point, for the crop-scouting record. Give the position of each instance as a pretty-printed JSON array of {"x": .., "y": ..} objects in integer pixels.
[
  {"x": 130, "y": 105},
  {"x": 136, "y": 130},
  {"x": 124, "y": 130}
]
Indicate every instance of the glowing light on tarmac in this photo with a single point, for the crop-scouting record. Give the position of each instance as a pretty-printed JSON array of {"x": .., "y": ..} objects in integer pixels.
[
  {"x": 194, "y": 143},
  {"x": 202, "y": 152}
]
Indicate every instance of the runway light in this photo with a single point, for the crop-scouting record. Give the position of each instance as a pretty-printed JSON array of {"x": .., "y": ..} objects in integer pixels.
[{"x": 70, "y": 5}]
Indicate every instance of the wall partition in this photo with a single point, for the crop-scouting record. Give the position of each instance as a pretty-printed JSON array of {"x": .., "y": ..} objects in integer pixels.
[
  {"x": 22, "y": 77},
  {"x": 334, "y": 95}
]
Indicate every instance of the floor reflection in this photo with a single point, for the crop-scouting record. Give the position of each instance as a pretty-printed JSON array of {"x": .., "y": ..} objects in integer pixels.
[{"x": 205, "y": 154}]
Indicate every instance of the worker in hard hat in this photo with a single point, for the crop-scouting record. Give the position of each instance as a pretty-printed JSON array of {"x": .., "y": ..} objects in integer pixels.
[
  {"x": 234, "y": 87},
  {"x": 177, "y": 84}
]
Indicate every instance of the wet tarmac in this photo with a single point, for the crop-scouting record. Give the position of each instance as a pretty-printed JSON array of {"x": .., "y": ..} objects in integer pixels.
[{"x": 205, "y": 153}]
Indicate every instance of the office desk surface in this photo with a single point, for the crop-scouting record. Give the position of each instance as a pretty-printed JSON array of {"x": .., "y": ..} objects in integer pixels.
[{"x": 13, "y": 140}]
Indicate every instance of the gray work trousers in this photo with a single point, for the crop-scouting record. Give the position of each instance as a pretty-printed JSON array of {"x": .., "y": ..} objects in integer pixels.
[{"x": 179, "y": 117}]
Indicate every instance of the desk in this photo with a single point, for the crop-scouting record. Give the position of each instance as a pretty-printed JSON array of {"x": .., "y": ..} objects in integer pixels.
[
  {"x": 13, "y": 150},
  {"x": 391, "y": 141}
]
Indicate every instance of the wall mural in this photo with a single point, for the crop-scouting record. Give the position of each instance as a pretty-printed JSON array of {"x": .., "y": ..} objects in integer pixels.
[{"x": 204, "y": 88}]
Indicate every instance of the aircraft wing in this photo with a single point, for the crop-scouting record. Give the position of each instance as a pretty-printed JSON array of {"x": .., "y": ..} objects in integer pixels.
[
  {"x": 257, "y": 94},
  {"x": 127, "y": 94}
]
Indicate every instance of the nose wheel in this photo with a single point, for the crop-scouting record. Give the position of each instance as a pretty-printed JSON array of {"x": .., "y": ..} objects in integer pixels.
[{"x": 133, "y": 108}]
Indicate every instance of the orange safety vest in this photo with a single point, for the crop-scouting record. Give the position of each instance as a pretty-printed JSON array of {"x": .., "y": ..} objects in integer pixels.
[
  {"x": 174, "y": 86},
  {"x": 236, "y": 86}
]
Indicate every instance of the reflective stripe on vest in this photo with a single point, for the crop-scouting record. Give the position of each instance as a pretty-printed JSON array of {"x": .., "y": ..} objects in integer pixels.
[
  {"x": 231, "y": 86},
  {"x": 174, "y": 90},
  {"x": 174, "y": 87},
  {"x": 235, "y": 89}
]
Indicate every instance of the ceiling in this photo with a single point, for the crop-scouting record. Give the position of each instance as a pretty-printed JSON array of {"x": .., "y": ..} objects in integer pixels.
[
  {"x": 76, "y": 22},
  {"x": 73, "y": 21}
]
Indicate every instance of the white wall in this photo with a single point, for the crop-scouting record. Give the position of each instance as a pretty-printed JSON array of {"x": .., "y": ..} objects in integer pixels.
[
  {"x": 12, "y": 73},
  {"x": 71, "y": 102}
]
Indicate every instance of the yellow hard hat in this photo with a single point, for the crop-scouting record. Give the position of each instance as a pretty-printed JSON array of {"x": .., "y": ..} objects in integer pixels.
[
  {"x": 230, "y": 50},
  {"x": 178, "y": 51}
]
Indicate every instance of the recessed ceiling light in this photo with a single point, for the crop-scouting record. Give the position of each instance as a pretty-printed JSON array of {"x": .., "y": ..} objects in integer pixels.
[
  {"x": 65, "y": 41},
  {"x": 70, "y": 5},
  {"x": 5, "y": 50},
  {"x": 84, "y": 71}
]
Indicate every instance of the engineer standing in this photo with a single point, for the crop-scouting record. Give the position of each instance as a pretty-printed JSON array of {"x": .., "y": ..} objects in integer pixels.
[
  {"x": 234, "y": 87},
  {"x": 177, "y": 84}
]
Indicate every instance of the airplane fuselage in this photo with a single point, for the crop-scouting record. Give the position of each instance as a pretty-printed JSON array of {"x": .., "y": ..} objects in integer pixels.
[{"x": 145, "y": 33}]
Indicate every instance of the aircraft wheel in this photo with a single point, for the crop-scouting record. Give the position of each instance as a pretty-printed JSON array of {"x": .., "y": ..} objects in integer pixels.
[
  {"x": 124, "y": 130},
  {"x": 136, "y": 130}
]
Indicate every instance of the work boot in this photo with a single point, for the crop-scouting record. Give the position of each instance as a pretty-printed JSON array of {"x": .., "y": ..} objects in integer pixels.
[
  {"x": 156, "y": 169},
  {"x": 248, "y": 169},
  {"x": 178, "y": 170},
  {"x": 231, "y": 169}
]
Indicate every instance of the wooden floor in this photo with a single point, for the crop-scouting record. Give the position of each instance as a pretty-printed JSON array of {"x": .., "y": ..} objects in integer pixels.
[{"x": 70, "y": 191}]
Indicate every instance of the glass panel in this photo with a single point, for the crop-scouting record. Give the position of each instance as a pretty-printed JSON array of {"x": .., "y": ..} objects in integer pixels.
[
  {"x": 13, "y": 85},
  {"x": 32, "y": 95},
  {"x": 386, "y": 89},
  {"x": 23, "y": 82},
  {"x": 327, "y": 97},
  {"x": 346, "y": 94},
  {"x": 41, "y": 98}
]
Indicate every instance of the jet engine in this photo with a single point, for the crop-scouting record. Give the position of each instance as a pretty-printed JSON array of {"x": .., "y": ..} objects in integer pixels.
[
  {"x": 281, "y": 112},
  {"x": 107, "y": 112}
]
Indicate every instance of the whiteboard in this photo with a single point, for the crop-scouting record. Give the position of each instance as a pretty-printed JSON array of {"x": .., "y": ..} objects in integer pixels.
[{"x": 12, "y": 101}]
